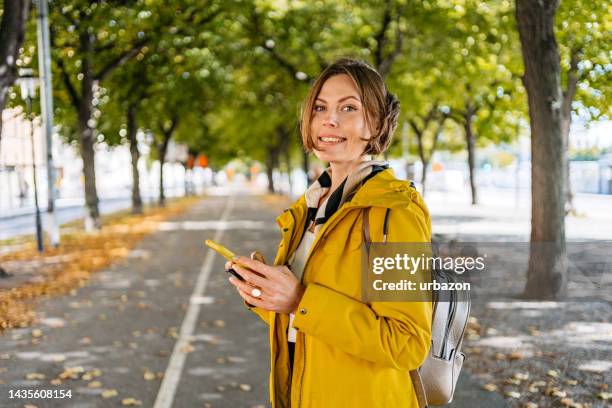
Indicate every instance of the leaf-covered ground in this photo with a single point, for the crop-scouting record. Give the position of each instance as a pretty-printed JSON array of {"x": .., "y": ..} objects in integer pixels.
[
  {"x": 543, "y": 354},
  {"x": 60, "y": 270}
]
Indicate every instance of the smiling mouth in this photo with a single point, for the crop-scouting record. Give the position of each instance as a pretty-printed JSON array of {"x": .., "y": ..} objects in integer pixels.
[{"x": 331, "y": 139}]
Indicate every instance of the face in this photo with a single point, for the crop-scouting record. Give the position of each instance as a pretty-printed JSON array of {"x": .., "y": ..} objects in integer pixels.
[{"x": 338, "y": 123}]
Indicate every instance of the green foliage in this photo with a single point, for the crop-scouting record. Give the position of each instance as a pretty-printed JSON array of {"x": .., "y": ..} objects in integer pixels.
[
  {"x": 584, "y": 34},
  {"x": 234, "y": 73}
]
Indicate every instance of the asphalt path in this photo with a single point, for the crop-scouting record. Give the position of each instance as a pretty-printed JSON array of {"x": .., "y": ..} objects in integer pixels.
[{"x": 163, "y": 328}]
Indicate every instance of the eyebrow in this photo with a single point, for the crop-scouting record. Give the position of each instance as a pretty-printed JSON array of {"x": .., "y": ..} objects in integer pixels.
[{"x": 341, "y": 99}]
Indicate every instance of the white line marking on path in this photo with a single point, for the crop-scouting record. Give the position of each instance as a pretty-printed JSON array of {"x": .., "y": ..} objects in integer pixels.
[
  {"x": 211, "y": 225},
  {"x": 172, "y": 376}
]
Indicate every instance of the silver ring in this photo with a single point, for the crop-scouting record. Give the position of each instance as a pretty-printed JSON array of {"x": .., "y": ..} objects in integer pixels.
[{"x": 256, "y": 292}]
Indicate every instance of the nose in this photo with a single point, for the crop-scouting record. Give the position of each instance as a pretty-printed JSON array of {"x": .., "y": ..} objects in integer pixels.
[{"x": 330, "y": 119}]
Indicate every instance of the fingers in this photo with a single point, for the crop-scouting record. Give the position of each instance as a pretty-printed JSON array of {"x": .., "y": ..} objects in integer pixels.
[
  {"x": 244, "y": 286},
  {"x": 257, "y": 302},
  {"x": 251, "y": 277},
  {"x": 246, "y": 295},
  {"x": 255, "y": 265},
  {"x": 256, "y": 255}
]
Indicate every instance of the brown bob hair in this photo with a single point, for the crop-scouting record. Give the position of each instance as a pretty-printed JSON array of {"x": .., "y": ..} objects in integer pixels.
[{"x": 381, "y": 107}]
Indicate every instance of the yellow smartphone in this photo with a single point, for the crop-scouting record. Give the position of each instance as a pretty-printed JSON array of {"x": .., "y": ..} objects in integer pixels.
[{"x": 226, "y": 253}]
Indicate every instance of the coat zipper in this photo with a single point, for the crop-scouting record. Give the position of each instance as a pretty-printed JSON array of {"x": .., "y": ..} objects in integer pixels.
[{"x": 315, "y": 245}]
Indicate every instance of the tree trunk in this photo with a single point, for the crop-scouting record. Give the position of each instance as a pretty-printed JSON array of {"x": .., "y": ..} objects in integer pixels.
[
  {"x": 132, "y": 129},
  {"x": 285, "y": 142},
  {"x": 270, "y": 169},
  {"x": 569, "y": 194},
  {"x": 568, "y": 97},
  {"x": 12, "y": 34},
  {"x": 425, "y": 163},
  {"x": 424, "y": 160},
  {"x": 87, "y": 142},
  {"x": 306, "y": 166},
  {"x": 162, "y": 150},
  {"x": 547, "y": 274},
  {"x": 86, "y": 135},
  {"x": 471, "y": 150}
]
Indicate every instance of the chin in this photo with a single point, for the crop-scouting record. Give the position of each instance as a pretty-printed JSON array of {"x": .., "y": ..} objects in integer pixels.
[{"x": 327, "y": 156}]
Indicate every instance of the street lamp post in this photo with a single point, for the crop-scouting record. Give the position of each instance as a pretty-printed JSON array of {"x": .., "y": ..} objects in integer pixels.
[{"x": 28, "y": 85}]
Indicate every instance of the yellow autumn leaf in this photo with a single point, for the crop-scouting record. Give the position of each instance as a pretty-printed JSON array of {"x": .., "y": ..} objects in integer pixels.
[
  {"x": 604, "y": 396},
  {"x": 131, "y": 402},
  {"x": 109, "y": 393},
  {"x": 35, "y": 376},
  {"x": 490, "y": 387}
]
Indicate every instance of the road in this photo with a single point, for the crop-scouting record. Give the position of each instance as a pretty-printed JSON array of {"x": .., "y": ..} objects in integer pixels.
[{"x": 164, "y": 326}]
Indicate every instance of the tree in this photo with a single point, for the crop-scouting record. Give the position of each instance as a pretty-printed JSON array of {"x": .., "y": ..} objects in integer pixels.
[
  {"x": 12, "y": 35},
  {"x": 547, "y": 275},
  {"x": 122, "y": 114},
  {"x": 482, "y": 64},
  {"x": 583, "y": 45},
  {"x": 90, "y": 41},
  {"x": 432, "y": 123},
  {"x": 150, "y": 77}
]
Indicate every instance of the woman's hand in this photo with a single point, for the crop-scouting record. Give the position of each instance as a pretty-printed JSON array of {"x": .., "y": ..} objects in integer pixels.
[{"x": 281, "y": 291}]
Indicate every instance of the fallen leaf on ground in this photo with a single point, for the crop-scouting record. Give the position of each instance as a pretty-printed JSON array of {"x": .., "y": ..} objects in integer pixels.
[
  {"x": 131, "y": 402},
  {"x": 490, "y": 387},
  {"x": 515, "y": 355},
  {"x": 604, "y": 396},
  {"x": 109, "y": 393},
  {"x": 521, "y": 376},
  {"x": 35, "y": 376},
  {"x": 71, "y": 373},
  {"x": 245, "y": 387}
]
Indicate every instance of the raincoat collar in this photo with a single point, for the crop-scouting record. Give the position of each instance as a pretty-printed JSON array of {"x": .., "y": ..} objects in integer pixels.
[{"x": 382, "y": 190}]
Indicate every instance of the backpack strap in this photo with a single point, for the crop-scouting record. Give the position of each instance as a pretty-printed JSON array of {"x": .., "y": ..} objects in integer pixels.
[
  {"x": 419, "y": 390},
  {"x": 417, "y": 383},
  {"x": 366, "y": 226}
]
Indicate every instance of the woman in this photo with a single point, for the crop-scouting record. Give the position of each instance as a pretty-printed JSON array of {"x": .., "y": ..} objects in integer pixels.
[{"x": 328, "y": 348}]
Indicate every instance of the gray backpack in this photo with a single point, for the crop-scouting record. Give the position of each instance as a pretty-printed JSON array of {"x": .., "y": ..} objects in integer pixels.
[{"x": 435, "y": 380}]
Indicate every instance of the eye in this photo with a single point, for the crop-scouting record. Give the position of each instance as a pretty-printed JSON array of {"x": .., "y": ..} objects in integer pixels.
[
  {"x": 318, "y": 108},
  {"x": 349, "y": 108}
]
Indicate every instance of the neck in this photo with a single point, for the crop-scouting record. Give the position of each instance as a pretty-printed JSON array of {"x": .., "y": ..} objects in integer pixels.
[{"x": 339, "y": 171}]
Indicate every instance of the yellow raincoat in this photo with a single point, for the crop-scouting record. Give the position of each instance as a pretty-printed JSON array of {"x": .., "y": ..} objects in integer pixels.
[{"x": 349, "y": 353}]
